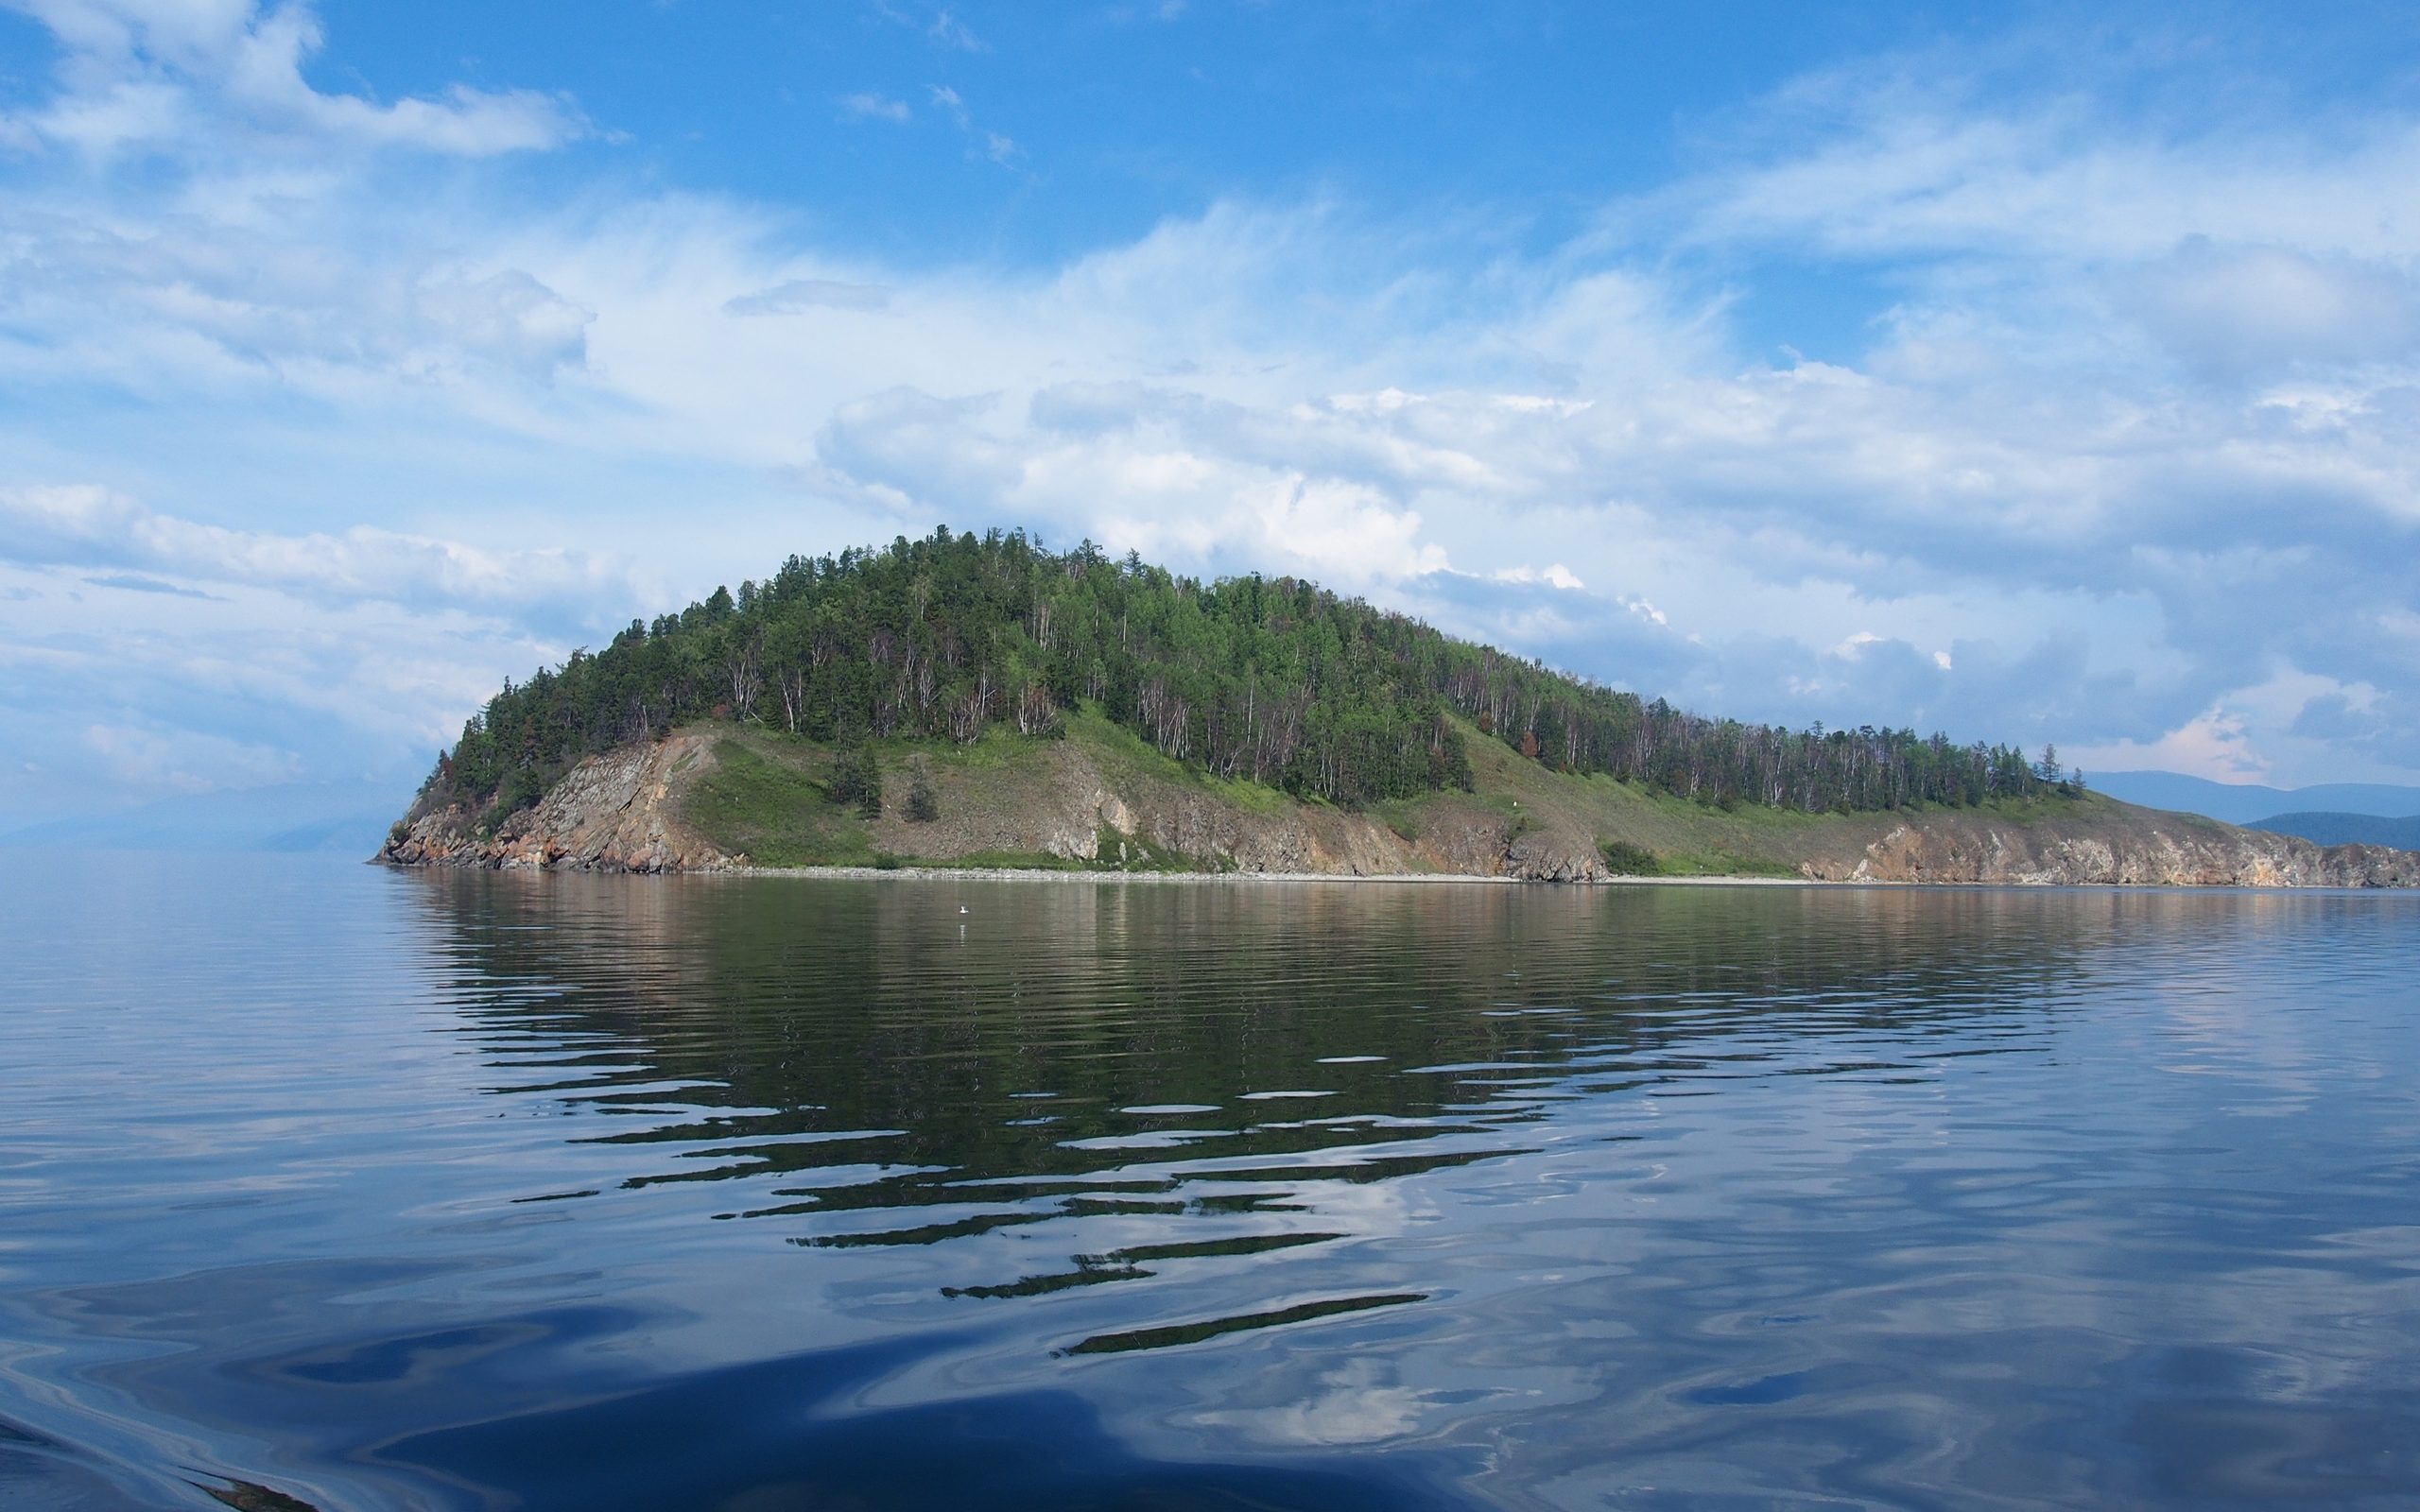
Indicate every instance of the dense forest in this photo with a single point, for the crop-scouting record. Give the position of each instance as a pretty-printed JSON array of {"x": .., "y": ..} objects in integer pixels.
[{"x": 1267, "y": 680}]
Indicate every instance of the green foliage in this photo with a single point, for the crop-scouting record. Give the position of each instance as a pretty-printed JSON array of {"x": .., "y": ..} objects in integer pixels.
[
  {"x": 856, "y": 779},
  {"x": 1266, "y": 685},
  {"x": 1401, "y": 816},
  {"x": 922, "y": 807},
  {"x": 1623, "y": 859},
  {"x": 1721, "y": 863},
  {"x": 519, "y": 788}
]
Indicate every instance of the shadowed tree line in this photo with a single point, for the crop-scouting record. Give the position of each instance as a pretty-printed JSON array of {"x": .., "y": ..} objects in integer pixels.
[{"x": 1272, "y": 681}]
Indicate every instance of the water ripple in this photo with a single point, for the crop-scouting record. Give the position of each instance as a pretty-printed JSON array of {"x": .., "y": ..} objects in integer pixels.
[{"x": 369, "y": 1189}]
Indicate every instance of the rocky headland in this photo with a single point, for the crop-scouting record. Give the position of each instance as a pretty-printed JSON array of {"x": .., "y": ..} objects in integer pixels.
[{"x": 717, "y": 799}]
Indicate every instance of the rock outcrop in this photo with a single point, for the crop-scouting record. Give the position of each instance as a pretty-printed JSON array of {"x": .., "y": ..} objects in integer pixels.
[
  {"x": 1074, "y": 802},
  {"x": 617, "y": 812},
  {"x": 2143, "y": 848}
]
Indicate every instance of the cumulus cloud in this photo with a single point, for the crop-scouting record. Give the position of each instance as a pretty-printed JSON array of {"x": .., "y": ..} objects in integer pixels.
[
  {"x": 1960, "y": 506},
  {"x": 2213, "y": 743}
]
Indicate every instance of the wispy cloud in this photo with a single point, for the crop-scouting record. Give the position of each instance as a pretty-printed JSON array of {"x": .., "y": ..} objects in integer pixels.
[
  {"x": 942, "y": 27},
  {"x": 89, "y": 526},
  {"x": 982, "y": 143},
  {"x": 137, "y": 583},
  {"x": 800, "y": 294},
  {"x": 152, "y": 74},
  {"x": 152, "y": 762},
  {"x": 868, "y": 106},
  {"x": 947, "y": 31}
]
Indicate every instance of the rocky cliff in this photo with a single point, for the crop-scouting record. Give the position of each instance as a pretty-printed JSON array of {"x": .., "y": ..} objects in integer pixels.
[
  {"x": 716, "y": 797},
  {"x": 611, "y": 812},
  {"x": 2122, "y": 846}
]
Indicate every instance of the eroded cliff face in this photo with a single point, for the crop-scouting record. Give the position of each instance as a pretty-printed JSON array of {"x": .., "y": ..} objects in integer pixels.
[
  {"x": 617, "y": 812},
  {"x": 2135, "y": 847},
  {"x": 623, "y": 812}
]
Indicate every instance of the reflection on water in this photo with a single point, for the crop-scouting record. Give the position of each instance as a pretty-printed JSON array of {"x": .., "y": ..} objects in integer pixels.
[{"x": 369, "y": 1189}]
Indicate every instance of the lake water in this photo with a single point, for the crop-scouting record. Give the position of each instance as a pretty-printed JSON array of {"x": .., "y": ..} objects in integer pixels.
[{"x": 326, "y": 1185}]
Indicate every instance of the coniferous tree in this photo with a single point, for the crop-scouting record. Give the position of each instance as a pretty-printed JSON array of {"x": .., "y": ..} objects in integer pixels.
[
  {"x": 1270, "y": 681},
  {"x": 922, "y": 807},
  {"x": 856, "y": 780}
]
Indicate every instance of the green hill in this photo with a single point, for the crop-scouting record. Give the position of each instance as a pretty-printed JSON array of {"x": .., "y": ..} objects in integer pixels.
[{"x": 1269, "y": 684}]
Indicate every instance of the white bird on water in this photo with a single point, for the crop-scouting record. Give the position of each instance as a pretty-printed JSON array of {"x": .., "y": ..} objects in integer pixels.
[{"x": 961, "y": 908}]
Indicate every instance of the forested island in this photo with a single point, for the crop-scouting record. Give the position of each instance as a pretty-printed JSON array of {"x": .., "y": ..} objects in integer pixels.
[{"x": 982, "y": 701}]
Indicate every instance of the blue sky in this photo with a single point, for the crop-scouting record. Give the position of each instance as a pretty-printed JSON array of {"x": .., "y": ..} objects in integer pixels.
[{"x": 2034, "y": 373}]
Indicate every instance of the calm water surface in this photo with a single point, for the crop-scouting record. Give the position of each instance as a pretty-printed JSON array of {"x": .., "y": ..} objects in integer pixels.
[{"x": 339, "y": 1187}]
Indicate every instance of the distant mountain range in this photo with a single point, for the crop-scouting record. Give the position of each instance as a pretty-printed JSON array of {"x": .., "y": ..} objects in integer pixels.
[
  {"x": 296, "y": 817},
  {"x": 2345, "y": 829},
  {"x": 2250, "y": 804}
]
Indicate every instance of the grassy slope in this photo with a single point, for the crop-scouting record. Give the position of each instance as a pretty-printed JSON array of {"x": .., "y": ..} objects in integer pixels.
[
  {"x": 769, "y": 804},
  {"x": 764, "y": 796},
  {"x": 1688, "y": 838}
]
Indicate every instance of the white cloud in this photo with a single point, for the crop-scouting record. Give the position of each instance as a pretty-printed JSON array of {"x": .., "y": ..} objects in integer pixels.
[
  {"x": 947, "y": 31},
  {"x": 981, "y": 142},
  {"x": 108, "y": 698},
  {"x": 1919, "y": 155},
  {"x": 86, "y": 525},
  {"x": 164, "y": 73},
  {"x": 2213, "y": 743},
  {"x": 2235, "y": 310},
  {"x": 151, "y": 762},
  {"x": 794, "y": 296},
  {"x": 868, "y": 106},
  {"x": 1555, "y": 575}
]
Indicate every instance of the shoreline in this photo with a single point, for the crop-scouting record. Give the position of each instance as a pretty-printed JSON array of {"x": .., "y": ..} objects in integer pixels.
[
  {"x": 909, "y": 873},
  {"x": 1273, "y": 878},
  {"x": 916, "y": 873},
  {"x": 922, "y": 873}
]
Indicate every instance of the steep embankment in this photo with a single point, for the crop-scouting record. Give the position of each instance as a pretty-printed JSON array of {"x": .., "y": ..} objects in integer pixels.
[
  {"x": 610, "y": 812},
  {"x": 721, "y": 797}
]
